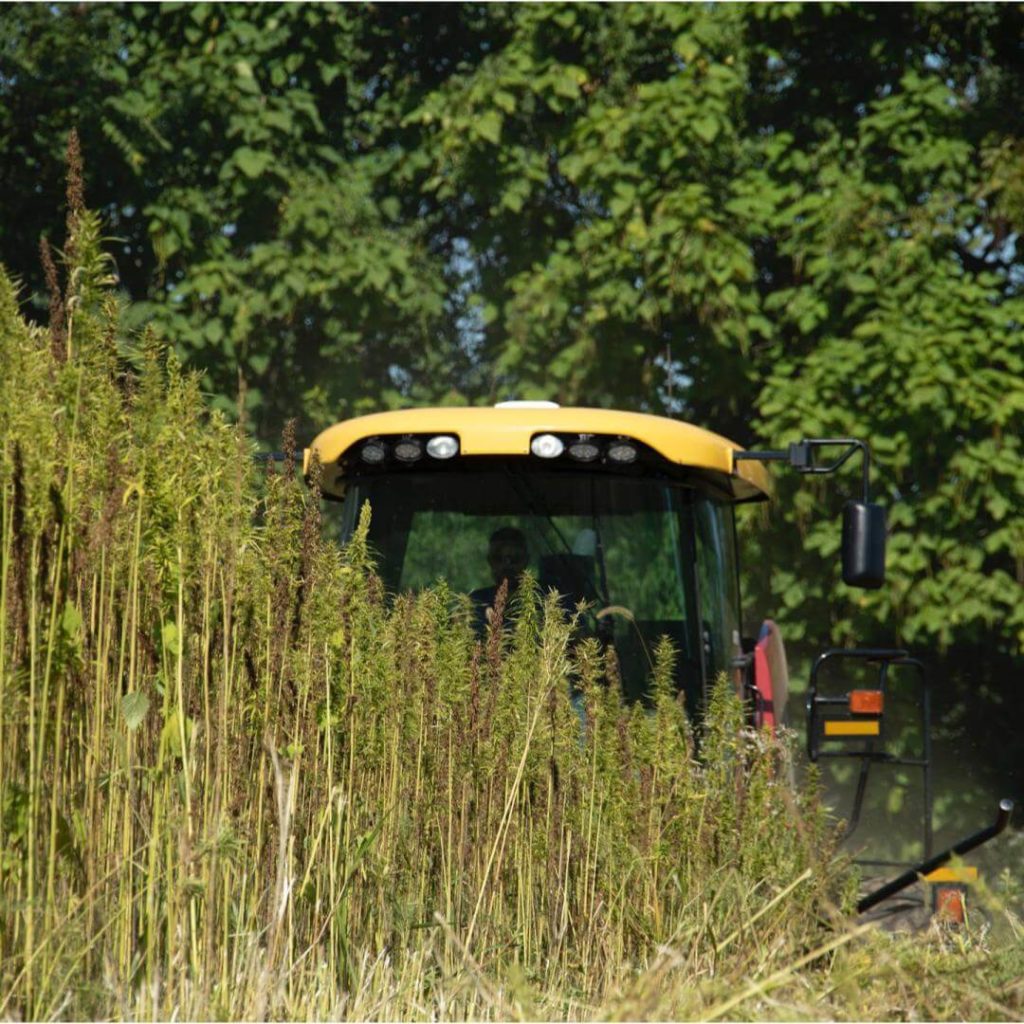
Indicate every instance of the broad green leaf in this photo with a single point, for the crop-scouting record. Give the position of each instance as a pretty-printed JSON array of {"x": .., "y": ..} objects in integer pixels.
[
  {"x": 860, "y": 283},
  {"x": 71, "y": 623},
  {"x": 251, "y": 162},
  {"x": 706, "y": 128},
  {"x": 171, "y": 639},
  {"x": 134, "y": 706},
  {"x": 488, "y": 126}
]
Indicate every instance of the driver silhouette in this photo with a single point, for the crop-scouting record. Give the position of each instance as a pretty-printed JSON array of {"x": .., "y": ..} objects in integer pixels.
[{"x": 507, "y": 556}]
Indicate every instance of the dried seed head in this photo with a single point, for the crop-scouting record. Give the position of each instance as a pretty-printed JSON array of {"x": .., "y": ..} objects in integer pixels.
[
  {"x": 76, "y": 201},
  {"x": 58, "y": 322},
  {"x": 288, "y": 447},
  {"x": 18, "y": 602},
  {"x": 496, "y": 624},
  {"x": 76, "y": 180},
  {"x": 243, "y": 397}
]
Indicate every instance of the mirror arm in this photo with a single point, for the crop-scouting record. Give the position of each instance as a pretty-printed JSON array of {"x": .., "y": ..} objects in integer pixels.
[{"x": 799, "y": 455}]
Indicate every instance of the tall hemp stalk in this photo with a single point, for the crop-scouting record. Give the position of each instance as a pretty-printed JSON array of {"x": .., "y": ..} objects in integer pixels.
[{"x": 239, "y": 781}]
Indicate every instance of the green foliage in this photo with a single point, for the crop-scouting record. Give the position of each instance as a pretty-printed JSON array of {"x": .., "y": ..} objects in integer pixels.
[
  {"x": 777, "y": 220},
  {"x": 237, "y": 152},
  {"x": 911, "y": 343},
  {"x": 598, "y": 220},
  {"x": 691, "y": 194}
]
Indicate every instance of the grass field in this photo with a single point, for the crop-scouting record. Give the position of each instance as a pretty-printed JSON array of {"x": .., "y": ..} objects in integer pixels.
[{"x": 237, "y": 782}]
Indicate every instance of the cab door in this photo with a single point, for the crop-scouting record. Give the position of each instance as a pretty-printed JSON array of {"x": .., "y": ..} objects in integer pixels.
[{"x": 718, "y": 593}]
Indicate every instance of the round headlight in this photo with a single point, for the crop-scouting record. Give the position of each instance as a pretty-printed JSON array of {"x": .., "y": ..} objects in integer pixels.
[
  {"x": 547, "y": 446},
  {"x": 442, "y": 447},
  {"x": 621, "y": 451},
  {"x": 373, "y": 452},
  {"x": 584, "y": 450},
  {"x": 408, "y": 450}
]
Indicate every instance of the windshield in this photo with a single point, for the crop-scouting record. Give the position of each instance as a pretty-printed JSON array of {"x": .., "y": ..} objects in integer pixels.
[{"x": 626, "y": 546}]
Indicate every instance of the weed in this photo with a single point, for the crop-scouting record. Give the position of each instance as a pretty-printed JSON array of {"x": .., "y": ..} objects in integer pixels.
[{"x": 236, "y": 781}]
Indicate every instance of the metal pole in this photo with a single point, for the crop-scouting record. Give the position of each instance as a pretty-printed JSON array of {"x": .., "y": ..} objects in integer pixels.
[{"x": 964, "y": 846}]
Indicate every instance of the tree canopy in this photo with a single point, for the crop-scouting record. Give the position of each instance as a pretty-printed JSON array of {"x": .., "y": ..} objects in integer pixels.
[{"x": 777, "y": 220}]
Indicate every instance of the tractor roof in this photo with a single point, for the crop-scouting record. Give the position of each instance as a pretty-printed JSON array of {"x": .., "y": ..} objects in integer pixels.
[{"x": 508, "y": 431}]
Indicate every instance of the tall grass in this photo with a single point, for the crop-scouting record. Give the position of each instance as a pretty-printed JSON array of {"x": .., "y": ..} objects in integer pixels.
[{"x": 238, "y": 781}]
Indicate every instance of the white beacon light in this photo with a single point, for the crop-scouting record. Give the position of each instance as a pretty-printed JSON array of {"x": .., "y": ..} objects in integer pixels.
[
  {"x": 547, "y": 446},
  {"x": 444, "y": 446},
  {"x": 519, "y": 404}
]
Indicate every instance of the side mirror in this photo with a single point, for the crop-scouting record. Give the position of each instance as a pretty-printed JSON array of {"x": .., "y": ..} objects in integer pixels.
[{"x": 863, "y": 545}]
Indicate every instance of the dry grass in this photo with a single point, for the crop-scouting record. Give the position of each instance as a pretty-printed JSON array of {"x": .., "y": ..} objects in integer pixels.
[{"x": 238, "y": 783}]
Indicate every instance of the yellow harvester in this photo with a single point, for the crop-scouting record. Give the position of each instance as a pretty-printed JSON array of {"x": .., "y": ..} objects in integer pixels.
[{"x": 630, "y": 517}]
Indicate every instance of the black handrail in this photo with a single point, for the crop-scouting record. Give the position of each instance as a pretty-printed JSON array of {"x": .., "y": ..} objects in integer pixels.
[{"x": 972, "y": 842}]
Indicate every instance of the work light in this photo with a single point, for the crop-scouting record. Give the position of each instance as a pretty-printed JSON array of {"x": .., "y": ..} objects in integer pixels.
[
  {"x": 409, "y": 449},
  {"x": 622, "y": 452},
  {"x": 584, "y": 450},
  {"x": 374, "y": 451},
  {"x": 442, "y": 447},
  {"x": 547, "y": 446}
]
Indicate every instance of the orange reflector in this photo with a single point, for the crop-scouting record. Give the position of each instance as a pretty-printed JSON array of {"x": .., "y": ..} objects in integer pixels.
[
  {"x": 843, "y": 728},
  {"x": 964, "y": 874},
  {"x": 949, "y": 904},
  {"x": 866, "y": 702}
]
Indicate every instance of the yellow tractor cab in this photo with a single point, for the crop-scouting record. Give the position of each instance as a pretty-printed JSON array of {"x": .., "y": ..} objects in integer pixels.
[
  {"x": 630, "y": 519},
  {"x": 626, "y": 514}
]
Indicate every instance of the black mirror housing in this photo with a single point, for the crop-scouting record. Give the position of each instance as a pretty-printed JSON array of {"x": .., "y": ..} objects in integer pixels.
[{"x": 863, "y": 545}]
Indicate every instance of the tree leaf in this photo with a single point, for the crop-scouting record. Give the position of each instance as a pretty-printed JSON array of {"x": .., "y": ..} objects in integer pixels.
[
  {"x": 488, "y": 126},
  {"x": 252, "y": 163},
  {"x": 706, "y": 128}
]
